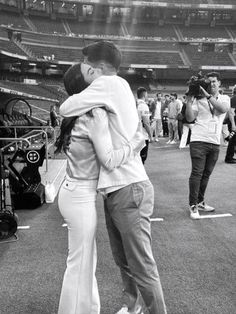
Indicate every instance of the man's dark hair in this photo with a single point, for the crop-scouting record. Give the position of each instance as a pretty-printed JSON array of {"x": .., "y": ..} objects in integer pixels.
[
  {"x": 140, "y": 92},
  {"x": 174, "y": 95},
  {"x": 214, "y": 74},
  {"x": 103, "y": 51}
]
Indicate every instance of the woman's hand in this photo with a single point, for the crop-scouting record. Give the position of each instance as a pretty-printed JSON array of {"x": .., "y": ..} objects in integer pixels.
[{"x": 138, "y": 141}]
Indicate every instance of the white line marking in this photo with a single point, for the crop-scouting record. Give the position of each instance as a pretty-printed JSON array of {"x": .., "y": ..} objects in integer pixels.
[
  {"x": 64, "y": 225},
  {"x": 23, "y": 227},
  {"x": 156, "y": 219},
  {"x": 215, "y": 216},
  {"x": 165, "y": 146}
]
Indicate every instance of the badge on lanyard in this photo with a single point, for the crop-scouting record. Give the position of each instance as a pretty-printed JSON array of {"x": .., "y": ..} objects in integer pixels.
[{"x": 212, "y": 126}]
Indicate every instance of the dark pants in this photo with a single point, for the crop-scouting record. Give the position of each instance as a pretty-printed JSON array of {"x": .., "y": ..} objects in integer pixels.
[
  {"x": 204, "y": 157},
  {"x": 231, "y": 148},
  {"x": 144, "y": 151},
  {"x": 180, "y": 128},
  {"x": 165, "y": 126}
]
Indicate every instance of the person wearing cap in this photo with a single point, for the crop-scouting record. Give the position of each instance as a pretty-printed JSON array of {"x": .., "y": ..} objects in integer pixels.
[{"x": 128, "y": 192}]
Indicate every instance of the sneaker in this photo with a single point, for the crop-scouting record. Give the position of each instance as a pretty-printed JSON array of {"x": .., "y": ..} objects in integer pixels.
[
  {"x": 173, "y": 142},
  {"x": 168, "y": 142},
  {"x": 204, "y": 207},
  {"x": 123, "y": 310},
  {"x": 138, "y": 310},
  {"x": 194, "y": 214},
  {"x": 156, "y": 140}
]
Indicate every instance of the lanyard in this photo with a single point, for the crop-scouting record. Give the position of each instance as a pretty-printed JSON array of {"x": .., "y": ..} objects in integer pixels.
[{"x": 211, "y": 107}]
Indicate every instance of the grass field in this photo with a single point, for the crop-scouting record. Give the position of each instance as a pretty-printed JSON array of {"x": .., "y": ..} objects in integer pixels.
[{"x": 196, "y": 259}]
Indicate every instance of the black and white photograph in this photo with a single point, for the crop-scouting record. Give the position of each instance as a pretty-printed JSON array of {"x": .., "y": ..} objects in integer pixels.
[{"x": 117, "y": 156}]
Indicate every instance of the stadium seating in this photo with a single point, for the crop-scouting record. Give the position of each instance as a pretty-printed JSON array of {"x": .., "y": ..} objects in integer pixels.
[
  {"x": 151, "y": 30},
  {"x": 188, "y": 1},
  {"x": 233, "y": 30},
  {"x": 59, "y": 38},
  {"x": 147, "y": 45},
  {"x": 95, "y": 28},
  {"x": 223, "y": 1},
  {"x": 10, "y": 46},
  {"x": 38, "y": 90},
  {"x": 59, "y": 53},
  {"x": 207, "y": 57},
  {"x": 49, "y": 39},
  {"x": 202, "y": 31},
  {"x": 152, "y": 58},
  {"x": 15, "y": 20},
  {"x": 46, "y": 25},
  {"x": 3, "y": 33}
]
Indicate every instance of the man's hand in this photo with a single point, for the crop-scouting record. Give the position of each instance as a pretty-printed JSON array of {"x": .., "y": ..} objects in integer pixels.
[
  {"x": 189, "y": 99},
  {"x": 206, "y": 94}
]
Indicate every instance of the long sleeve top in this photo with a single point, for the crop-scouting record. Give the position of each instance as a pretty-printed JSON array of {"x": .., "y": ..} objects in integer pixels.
[
  {"x": 91, "y": 145},
  {"x": 113, "y": 93}
]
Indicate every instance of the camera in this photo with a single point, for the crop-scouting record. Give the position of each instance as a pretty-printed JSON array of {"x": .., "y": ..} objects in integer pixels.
[
  {"x": 228, "y": 138},
  {"x": 194, "y": 86}
]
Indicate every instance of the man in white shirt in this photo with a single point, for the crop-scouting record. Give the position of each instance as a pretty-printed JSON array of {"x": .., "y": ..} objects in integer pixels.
[
  {"x": 157, "y": 116},
  {"x": 156, "y": 122},
  {"x": 208, "y": 109},
  {"x": 174, "y": 109},
  {"x": 129, "y": 195},
  {"x": 144, "y": 116}
]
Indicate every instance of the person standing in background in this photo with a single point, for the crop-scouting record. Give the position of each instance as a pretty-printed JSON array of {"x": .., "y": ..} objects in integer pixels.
[
  {"x": 144, "y": 115},
  {"x": 157, "y": 117},
  {"x": 166, "y": 102},
  {"x": 174, "y": 109},
  {"x": 208, "y": 109},
  {"x": 54, "y": 119},
  {"x": 229, "y": 157}
]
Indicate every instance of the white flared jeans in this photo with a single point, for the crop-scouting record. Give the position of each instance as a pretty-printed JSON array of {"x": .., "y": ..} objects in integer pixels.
[{"x": 77, "y": 204}]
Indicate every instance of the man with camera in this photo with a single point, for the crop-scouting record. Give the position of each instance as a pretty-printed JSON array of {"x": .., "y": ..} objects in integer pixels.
[
  {"x": 229, "y": 157},
  {"x": 208, "y": 108}
]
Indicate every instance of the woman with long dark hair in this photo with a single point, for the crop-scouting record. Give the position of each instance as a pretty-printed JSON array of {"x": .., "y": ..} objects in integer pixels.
[{"x": 87, "y": 144}]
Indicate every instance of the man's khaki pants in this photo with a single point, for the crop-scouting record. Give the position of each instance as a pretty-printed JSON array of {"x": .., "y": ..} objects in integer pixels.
[{"x": 128, "y": 212}]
